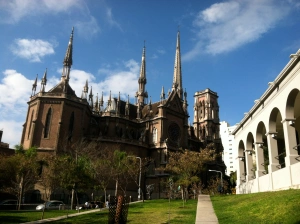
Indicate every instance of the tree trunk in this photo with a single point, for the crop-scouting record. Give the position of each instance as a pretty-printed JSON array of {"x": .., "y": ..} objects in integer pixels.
[
  {"x": 21, "y": 192},
  {"x": 72, "y": 199}
]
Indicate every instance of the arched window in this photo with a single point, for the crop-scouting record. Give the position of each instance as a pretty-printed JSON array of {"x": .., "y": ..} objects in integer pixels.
[
  {"x": 30, "y": 124},
  {"x": 71, "y": 126},
  {"x": 154, "y": 135},
  {"x": 47, "y": 123}
]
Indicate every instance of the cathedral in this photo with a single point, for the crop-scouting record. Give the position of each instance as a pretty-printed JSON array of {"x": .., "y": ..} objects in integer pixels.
[{"x": 146, "y": 129}]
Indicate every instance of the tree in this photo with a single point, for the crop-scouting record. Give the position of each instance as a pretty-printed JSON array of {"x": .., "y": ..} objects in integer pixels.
[
  {"x": 22, "y": 168},
  {"x": 185, "y": 167}
]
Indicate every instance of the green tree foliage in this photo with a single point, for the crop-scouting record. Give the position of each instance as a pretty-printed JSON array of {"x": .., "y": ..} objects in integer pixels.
[
  {"x": 185, "y": 167},
  {"x": 19, "y": 171}
]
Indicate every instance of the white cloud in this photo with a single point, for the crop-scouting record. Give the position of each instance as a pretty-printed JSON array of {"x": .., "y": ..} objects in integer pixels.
[
  {"x": 88, "y": 27},
  {"x": 223, "y": 27},
  {"x": 33, "y": 50},
  {"x": 17, "y": 9},
  {"x": 12, "y": 132},
  {"x": 15, "y": 91},
  {"x": 111, "y": 20}
]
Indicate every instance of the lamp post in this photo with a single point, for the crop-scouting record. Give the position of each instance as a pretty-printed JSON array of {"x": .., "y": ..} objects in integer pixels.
[
  {"x": 221, "y": 176},
  {"x": 139, "y": 190}
]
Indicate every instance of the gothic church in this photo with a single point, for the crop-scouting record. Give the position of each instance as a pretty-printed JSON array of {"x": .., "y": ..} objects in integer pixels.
[{"x": 145, "y": 128}]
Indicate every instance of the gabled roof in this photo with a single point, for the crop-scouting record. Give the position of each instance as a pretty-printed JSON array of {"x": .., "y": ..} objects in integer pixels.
[{"x": 63, "y": 87}]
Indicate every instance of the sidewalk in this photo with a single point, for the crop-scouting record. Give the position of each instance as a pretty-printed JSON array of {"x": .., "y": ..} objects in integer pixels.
[
  {"x": 205, "y": 211},
  {"x": 64, "y": 216}
]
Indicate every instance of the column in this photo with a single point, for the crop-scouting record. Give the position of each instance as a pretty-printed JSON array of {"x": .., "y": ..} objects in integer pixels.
[
  {"x": 273, "y": 152},
  {"x": 260, "y": 169},
  {"x": 290, "y": 141},
  {"x": 249, "y": 165}
]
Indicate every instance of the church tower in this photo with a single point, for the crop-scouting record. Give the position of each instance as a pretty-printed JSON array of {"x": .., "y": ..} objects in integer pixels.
[
  {"x": 56, "y": 117},
  {"x": 206, "y": 116}
]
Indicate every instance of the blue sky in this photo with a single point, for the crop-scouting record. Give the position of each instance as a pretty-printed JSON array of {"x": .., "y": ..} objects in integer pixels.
[{"x": 232, "y": 47}]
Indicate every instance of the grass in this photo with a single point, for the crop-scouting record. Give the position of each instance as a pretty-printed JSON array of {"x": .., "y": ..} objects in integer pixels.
[
  {"x": 268, "y": 207},
  {"x": 149, "y": 212},
  {"x": 30, "y": 215}
]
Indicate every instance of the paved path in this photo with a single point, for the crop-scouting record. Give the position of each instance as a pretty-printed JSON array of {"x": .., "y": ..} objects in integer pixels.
[
  {"x": 205, "y": 211},
  {"x": 63, "y": 217}
]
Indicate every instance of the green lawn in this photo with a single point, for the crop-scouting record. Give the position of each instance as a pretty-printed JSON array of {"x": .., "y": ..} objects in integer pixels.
[
  {"x": 269, "y": 207},
  {"x": 149, "y": 212},
  {"x": 27, "y": 216}
]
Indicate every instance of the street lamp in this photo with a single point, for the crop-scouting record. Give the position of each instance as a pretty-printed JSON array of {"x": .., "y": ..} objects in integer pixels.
[
  {"x": 139, "y": 190},
  {"x": 221, "y": 176}
]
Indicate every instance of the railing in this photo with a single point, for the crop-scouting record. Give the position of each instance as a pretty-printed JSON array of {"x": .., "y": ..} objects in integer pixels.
[{"x": 279, "y": 157}]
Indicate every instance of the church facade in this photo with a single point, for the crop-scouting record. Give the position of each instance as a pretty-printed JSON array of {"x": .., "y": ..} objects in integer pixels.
[{"x": 147, "y": 129}]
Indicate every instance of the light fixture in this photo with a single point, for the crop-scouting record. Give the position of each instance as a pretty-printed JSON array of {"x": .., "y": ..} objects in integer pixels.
[
  {"x": 241, "y": 158},
  {"x": 274, "y": 136},
  {"x": 292, "y": 123}
]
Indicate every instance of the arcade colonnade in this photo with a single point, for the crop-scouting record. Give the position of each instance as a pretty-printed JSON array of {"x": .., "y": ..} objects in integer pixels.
[{"x": 267, "y": 138}]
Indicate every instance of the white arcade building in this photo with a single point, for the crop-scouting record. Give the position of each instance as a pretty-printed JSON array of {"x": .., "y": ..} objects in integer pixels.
[{"x": 267, "y": 138}]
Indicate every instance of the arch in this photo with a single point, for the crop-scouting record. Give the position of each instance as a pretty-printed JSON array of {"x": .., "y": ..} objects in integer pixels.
[
  {"x": 262, "y": 152},
  {"x": 47, "y": 123},
  {"x": 250, "y": 156},
  {"x": 291, "y": 104},
  {"x": 276, "y": 133},
  {"x": 293, "y": 113},
  {"x": 241, "y": 161}
]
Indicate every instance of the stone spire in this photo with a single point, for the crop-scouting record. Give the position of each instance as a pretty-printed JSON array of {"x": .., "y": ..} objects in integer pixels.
[
  {"x": 44, "y": 81},
  {"x": 96, "y": 106},
  {"x": 68, "y": 60},
  {"x": 127, "y": 107},
  {"x": 118, "y": 105},
  {"x": 177, "y": 78},
  {"x": 91, "y": 98},
  {"x": 101, "y": 101},
  {"x": 141, "y": 94},
  {"x": 109, "y": 99},
  {"x": 34, "y": 85},
  {"x": 185, "y": 104},
  {"x": 162, "y": 95},
  {"x": 85, "y": 90}
]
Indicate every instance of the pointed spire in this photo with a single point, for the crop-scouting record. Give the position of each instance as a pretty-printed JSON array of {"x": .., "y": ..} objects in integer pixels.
[
  {"x": 85, "y": 90},
  {"x": 118, "y": 105},
  {"x": 162, "y": 95},
  {"x": 109, "y": 99},
  {"x": 142, "y": 93},
  {"x": 185, "y": 104},
  {"x": 96, "y": 107},
  {"x": 127, "y": 107},
  {"x": 34, "y": 85},
  {"x": 91, "y": 97},
  {"x": 68, "y": 60},
  {"x": 177, "y": 78},
  {"x": 101, "y": 100},
  {"x": 44, "y": 81}
]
